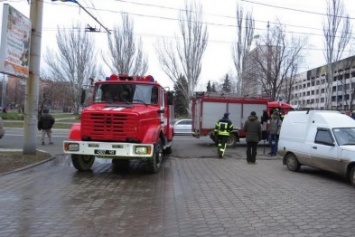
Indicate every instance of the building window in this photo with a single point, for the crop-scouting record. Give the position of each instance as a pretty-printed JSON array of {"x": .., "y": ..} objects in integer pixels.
[
  {"x": 322, "y": 100},
  {"x": 322, "y": 91}
]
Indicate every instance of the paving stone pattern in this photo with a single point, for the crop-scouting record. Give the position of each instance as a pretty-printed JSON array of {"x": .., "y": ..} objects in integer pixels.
[{"x": 190, "y": 197}]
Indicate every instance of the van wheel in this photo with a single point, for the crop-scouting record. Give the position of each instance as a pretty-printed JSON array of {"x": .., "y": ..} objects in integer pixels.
[
  {"x": 292, "y": 162},
  {"x": 352, "y": 176},
  {"x": 82, "y": 162}
]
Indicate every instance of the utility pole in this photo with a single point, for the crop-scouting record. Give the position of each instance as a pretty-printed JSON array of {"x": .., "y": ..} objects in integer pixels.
[{"x": 32, "y": 85}]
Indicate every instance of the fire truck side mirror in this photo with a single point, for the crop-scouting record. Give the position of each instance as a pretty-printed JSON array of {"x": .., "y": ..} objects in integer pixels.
[{"x": 170, "y": 98}]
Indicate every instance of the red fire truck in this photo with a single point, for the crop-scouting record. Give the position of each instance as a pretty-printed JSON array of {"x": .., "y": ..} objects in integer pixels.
[
  {"x": 207, "y": 109},
  {"x": 130, "y": 117}
]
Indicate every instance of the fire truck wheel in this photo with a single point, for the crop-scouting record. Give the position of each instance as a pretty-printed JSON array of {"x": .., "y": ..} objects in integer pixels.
[
  {"x": 153, "y": 164},
  {"x": 120, "y": 165},
  {"x": 232, "y": 139},
  {"x": 82, "y": 162}
]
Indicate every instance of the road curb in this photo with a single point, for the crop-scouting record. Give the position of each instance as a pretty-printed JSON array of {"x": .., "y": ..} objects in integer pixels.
[{"x": 27, "y": 166}]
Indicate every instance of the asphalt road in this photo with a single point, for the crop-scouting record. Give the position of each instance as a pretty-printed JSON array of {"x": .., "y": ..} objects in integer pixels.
[
  {"x": 194, "y": 194},
  {"x": 13, "y": 139}
]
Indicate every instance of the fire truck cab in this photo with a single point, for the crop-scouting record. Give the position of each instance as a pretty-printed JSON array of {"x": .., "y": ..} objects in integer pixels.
[{"x": 130, "y": 117}]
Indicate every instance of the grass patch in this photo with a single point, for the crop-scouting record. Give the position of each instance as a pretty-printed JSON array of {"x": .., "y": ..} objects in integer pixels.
[
  {"x": 12, "y": 116},
  {"x": 13, "y": 160}
]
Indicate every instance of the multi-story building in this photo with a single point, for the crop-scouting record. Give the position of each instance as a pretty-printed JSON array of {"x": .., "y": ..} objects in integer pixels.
[
  {"x": 310, "y": 88},
  {"x": 259, "y": 70}
]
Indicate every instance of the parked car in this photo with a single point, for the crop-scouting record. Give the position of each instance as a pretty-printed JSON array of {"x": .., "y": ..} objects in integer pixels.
[
  {"x": 2, "y": 130},
  {"x": 321, "y": 139},
  {"x": 183, "y": 127}
]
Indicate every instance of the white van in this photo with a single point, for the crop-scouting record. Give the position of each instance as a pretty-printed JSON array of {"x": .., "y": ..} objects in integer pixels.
[{"x": 321, "y": 139}]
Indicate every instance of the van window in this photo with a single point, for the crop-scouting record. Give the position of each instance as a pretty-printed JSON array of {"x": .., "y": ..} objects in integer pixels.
[
  {"x": 324, "y": 136},
  {"x": 344, "y": 136}
]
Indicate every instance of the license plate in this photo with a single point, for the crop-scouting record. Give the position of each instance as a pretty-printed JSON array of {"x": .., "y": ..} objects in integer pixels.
[{"x": 105, "y": 152}]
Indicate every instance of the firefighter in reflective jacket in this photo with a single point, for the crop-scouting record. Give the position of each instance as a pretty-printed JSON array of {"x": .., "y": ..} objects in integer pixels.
[{"x": 222, "y": 129}]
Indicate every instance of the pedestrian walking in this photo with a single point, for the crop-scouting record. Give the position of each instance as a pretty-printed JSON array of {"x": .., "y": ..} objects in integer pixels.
[
  {"x": 274, "y": 131},
  {"x": 223, "y": 129},
  {"x": 45, "y": 124},
  {"x": 252, "y": 127}
]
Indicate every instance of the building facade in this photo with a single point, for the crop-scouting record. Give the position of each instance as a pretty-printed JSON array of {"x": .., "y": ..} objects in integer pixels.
[
  {"x": 259, "y": 70},
  {"x": 309, "y": 90}
]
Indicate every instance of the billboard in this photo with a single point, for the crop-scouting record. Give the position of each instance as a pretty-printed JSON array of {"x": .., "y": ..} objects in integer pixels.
[{"x": 15, "y": 43}]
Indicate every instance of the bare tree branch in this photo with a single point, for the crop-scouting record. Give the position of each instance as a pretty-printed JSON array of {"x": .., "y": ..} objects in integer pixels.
[
  {"x": 74, "y": 62},
  {"x": 126, "y": 53},
  {"x": 185, "y": 56},
  {"x": 241, "y": 47},
  {"x": 276, "y": 61},
  {"x": 337, "y": 34}
]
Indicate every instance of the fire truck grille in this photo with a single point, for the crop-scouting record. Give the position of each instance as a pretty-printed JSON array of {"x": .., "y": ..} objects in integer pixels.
[{"x": 109, "y": 127}]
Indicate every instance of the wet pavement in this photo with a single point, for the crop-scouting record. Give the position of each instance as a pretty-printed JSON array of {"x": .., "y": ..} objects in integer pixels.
[{"x": 194, "y": 194}]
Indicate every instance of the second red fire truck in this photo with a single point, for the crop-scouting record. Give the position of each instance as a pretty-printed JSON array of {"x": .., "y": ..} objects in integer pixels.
[{"x": 207, "y": 109}]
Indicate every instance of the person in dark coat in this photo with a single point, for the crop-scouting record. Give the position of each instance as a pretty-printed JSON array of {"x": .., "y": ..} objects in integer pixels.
[
  {"x": 252, "y": 127},
  {"x": 222, "y": 129},
  {"x": 274, "y": 131},
  {"x": 45, "y": 124}
]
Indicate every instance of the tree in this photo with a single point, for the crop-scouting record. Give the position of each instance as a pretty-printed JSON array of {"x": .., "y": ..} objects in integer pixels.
[
  {"x": 126, "y": 53},
  {"x": 289, "y": 82},
  {"x": 74, "y": 62},
  {"x": 181, "y": 104},
  {"x": 275, "y": 61},
  {"x": 226, "y": 86},
  {"x": 209, "y": 87},
  {"x": 186, "y": 56},
  {"x": 337, "y": 34},
  {"x": 213, "y": 89},
  {"x": 245, "y": 32}
]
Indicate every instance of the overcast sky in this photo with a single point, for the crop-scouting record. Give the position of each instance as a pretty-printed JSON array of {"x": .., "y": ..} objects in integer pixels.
[{"x": 157, "y": 18}]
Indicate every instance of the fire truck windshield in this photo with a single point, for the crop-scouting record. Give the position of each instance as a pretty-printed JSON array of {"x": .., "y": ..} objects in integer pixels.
[{"x": 126, "y": 93}]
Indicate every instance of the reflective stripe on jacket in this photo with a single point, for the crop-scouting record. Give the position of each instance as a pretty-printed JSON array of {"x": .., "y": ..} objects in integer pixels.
[{"x": 223, "y": 127}]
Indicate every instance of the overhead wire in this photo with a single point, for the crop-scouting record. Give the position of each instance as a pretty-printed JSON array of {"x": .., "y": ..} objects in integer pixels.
[
  {"x": 208, "y": 23},
  {"x": 292, "y": 9}
]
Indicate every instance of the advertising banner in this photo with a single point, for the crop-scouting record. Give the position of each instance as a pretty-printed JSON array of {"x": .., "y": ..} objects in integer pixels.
[{"x": 15, "y": 43}]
